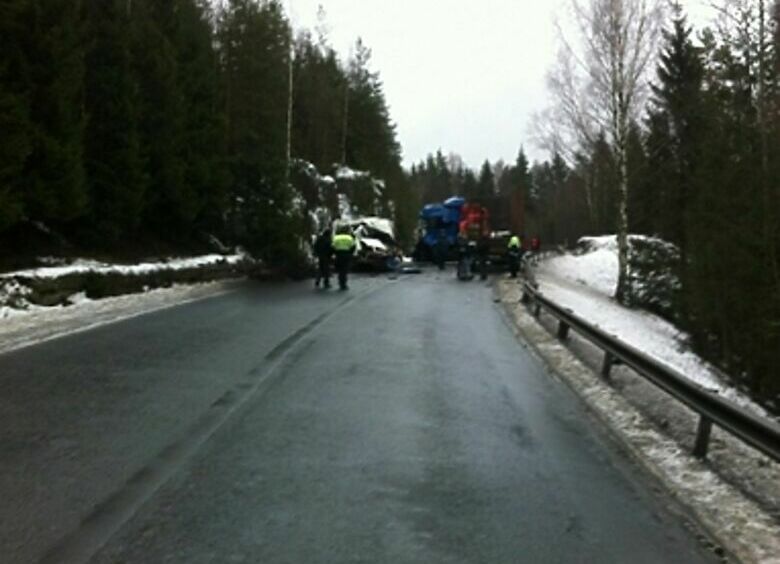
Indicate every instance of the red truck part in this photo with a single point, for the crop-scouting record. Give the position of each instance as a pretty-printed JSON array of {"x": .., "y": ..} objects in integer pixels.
[{"x": 475, "y": 221}]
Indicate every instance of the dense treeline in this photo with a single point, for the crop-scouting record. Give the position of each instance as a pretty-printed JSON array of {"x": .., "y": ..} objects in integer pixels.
[
  {"x": 130, "y": 124},
  {"x": 506, "y": 190},
  {"x": 703, "y": 174},
  {"x": 544, "y": 200}
]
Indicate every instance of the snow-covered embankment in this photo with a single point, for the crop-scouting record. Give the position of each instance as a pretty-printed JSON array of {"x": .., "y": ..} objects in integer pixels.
[{"x": 735, "y": 494}]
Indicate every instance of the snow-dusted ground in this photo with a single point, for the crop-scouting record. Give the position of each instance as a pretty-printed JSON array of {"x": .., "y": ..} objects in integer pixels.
[
  {"x": 81, "y": 266},
  {"x": 735, "y": 494},
  {"x": 586, "y": 283},
  {"x": 23, "y": 323},
  {"x": 15, "y": 290},
  {"x": 36, "y": 324}
]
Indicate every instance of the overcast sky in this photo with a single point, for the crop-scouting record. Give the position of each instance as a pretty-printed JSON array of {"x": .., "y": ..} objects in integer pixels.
[{"x": 459, "y": 75}]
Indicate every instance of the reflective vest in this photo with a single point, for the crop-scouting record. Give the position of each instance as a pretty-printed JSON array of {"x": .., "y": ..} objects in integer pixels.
[
  {"x": 514, "y": 242},
  {"x": 343, "y": 243}
]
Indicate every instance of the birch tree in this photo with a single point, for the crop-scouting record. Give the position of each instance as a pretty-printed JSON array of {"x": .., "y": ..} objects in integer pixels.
[{"x": 599, "y": 86}]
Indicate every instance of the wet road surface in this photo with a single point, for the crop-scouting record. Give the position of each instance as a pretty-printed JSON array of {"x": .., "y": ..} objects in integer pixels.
[{"x": 400, "y": 422}]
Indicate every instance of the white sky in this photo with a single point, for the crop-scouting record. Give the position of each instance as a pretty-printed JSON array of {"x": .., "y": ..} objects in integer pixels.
[{"x": 463, "y": 76}]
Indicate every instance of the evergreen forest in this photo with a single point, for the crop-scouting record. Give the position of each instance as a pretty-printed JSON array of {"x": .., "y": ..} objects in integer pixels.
[{"x": 134, "y": 127}]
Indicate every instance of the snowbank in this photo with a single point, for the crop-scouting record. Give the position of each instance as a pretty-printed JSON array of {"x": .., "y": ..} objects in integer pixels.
[
  {"x": 71, "y": 283},
  {"x": 83, "y": 266},
  {"x": 24, "y": 327},
  {"x": 585, "y": 282},
  {"x": 595, "y": 264}
]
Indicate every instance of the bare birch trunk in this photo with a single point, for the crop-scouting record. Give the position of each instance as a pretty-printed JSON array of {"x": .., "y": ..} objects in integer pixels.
[
  {"x": 623, "y": 291},
  {"x": 599, "y": 87}
]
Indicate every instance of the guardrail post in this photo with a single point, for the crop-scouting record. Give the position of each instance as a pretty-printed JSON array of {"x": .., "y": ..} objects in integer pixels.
[
  {"x": 606, "y": 366},
  {"x": 525, "y": 298},
  {"x": 537, "y": 309},
  {"x": 703, "y": 437},
  {"x": 563, "y": 330}
]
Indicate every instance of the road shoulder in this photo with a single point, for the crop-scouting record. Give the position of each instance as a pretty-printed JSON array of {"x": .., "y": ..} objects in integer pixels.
[
  {"x": 44, "y": 324},
  {"x": 739, "y": 524}
]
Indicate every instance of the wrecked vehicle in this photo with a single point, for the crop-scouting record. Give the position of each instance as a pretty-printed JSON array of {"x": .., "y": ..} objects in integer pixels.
[{"x": 375, "y": 240}]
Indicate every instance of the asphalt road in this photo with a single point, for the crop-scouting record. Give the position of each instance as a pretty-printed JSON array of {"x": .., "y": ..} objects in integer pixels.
[{"x": 399, "y": 422}]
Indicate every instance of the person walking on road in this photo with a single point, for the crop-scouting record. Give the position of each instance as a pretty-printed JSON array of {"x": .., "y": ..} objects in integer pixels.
[
  {"x": 344, "y": 249},
  {"x": 323, "y": 249}
]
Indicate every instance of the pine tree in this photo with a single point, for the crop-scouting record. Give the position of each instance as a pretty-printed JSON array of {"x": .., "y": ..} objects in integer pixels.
[
  {"x": 17, "y": 130},
  {"x": 169, "y": 205},
  {"x": 54, "y": 76},
  {"x": 321, "y": 100},
  {"x": 112, "y": 153},
  {"x": 485, "y": 184},
  {"x": 522, "y": 174},
  {"x": 255, "y": 41},
  {"x": 654, "y": 206},
  {"x": 470, "y": 185},
  {"x": 203, "y": 122},
  {"x": 371, "y": 142},
  {"x": 678, "y": 98}
]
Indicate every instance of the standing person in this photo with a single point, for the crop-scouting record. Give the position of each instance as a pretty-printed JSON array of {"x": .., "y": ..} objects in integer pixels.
[
  {"x": 514, "y": 250},
  {"x": 483, "y": 252},
  {"x": 344, "y": 249},
  {"x": 324, "y": 251}
]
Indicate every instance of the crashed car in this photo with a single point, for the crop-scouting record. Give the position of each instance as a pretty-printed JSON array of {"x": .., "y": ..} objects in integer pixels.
[{"x": 376, "y": 245}]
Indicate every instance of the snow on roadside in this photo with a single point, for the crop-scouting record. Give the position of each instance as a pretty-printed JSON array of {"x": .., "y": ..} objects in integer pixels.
[
  {"x": 596, "y": 269},
  {"x": 82, "y": 266},
  {"x": 37, "y": 324},
  {"x": 585, "y": 284},
  {"x": 744, "y": 527}
]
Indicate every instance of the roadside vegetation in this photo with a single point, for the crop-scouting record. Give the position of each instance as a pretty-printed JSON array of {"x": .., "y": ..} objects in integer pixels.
[
  {"x": 136, "y": 127},
  {"x": 696, "y": 165}
]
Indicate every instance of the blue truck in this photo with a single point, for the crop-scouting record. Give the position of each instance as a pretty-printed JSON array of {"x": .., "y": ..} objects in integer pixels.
[{"x": 437, "y": 221}]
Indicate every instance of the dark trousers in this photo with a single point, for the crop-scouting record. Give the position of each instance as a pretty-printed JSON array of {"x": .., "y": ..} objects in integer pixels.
[
  {"x": 343, "y": 273},
  {"x": 324, "y": 271},
  {"x": 342, "y": 267},
  {"x": 513, "y": 258}
]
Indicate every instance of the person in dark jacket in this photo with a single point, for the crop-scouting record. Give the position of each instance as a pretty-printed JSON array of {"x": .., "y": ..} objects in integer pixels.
[
  {"x": 323, "y": 249},
  {"x": 344, "y": 249},
  {"x": 483, "y": 255}
]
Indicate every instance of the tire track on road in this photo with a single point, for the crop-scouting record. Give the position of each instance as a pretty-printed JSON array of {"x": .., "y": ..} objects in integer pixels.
[{"x": 107, "y": 518}]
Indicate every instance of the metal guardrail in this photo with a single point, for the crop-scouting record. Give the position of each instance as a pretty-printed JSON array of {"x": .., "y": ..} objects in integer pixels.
[{"x": 761, "y": 434}]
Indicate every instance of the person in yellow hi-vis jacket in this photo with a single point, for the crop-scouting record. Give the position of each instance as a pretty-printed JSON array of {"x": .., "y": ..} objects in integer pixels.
[
  {"x": 514, "y": 251},
  {"x": 344, "y": 249}
]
